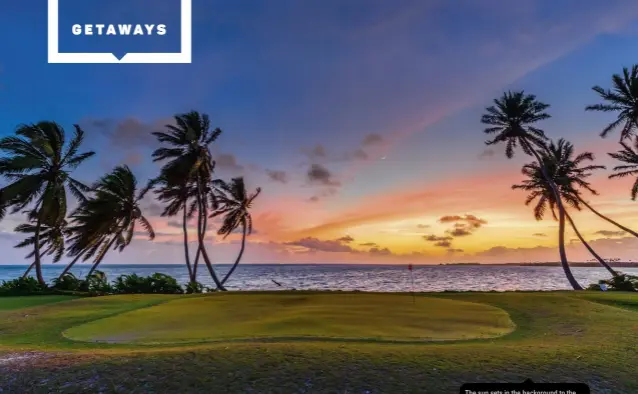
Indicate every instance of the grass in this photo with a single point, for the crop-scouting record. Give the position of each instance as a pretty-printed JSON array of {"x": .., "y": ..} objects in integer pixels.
[
  {"x": 10, "y": 303},
  {"x": 559, "y": 336}
]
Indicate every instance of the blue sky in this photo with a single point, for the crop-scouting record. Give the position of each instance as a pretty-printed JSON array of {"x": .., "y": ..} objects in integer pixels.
[{"x": 281, "y": 77}]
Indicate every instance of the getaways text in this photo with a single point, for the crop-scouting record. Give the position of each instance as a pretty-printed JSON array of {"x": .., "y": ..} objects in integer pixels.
[{"x": 119, "y": 30}]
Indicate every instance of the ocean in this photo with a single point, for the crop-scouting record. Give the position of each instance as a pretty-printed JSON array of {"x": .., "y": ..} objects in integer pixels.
[{"x": 382, "y": 278}]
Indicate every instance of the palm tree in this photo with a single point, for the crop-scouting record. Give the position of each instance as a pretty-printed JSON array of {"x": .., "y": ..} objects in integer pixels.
[
  {"x": 540, "y": 190},
  {"x": 38, "y": 164},
  {"x": 235, "y": 203},
  {"x": 189, "y": 160},
  {"x": 108, "y": 218},
  {"x": 513, "y": 119},
  {"x": 571, "y": 175},
  {"x": 622, "y": 99},
  {"x": 180, "y": 198},
  {"x": 51, "y": 239}
]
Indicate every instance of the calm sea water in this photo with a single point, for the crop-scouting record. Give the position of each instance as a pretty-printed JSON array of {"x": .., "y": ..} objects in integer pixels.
[{"x": 357, "y": 277}]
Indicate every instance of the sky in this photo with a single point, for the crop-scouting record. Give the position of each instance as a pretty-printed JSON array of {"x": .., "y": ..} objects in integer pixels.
[{"x": 359, "y": 119}]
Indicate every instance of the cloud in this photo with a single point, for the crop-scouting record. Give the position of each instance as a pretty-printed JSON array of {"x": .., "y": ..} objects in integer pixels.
[
  {"x": 133, "y": 158},
  {"x": 372, "y": 244},
  {"x": 326, "y": 192},
  {"x": 471, "y": 220},
  {"x": 126, "y": 133},
  {"x": 174, "y": 223},
  {"x": 459, "y": 232},
  {"x": 318, "y": 174},
  {"x": 422, "y": 226},
  {"x": 372, "y": 139},
  {"x": 434, "y": 238},
  {"x": 228, "y": 161},
  {"x": 608, "y": 233},
  {"x": 346, "y": 239},
  {"x": 539, "y": 235},
  {"x": 324, "y": 246},
  {"x": 443, "y": 244},
  {"x": 380, "y": 252},
  {"x": 277, "y": 176},
  {"x": 452, "y": 251},
  {"x": 486, "y": 153}
]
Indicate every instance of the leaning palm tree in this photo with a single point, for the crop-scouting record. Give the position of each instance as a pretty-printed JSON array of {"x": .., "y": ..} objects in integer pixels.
[
  {"x": 571, "y": 175},
  {"x": 188, "y": 159},
  {"x": 108, "y": 219},
  {"x": 38, "y": 164},
  {"x": 234, "y": 204},
  {"x": 621, "y": 99},
  {"x": 51, "y": 239},
  {"x": 541, "y": 192},
  {"x": 512, "y": 119}
]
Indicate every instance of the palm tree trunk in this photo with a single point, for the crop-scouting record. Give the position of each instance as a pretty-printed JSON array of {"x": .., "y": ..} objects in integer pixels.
[
  {"x": 241, "y": 252},
  {"x": 70, "y": 265},
  {"x": 28, "y": 270},
  {"x": 203, "y": 213},
  {"x": 36, "y": 247},
  {"x": 563, "y": 255},
  {"x": 186, "y": 254},
  {"x": 600, "y": 215},
  {"x": 589, "y": 248},
  {"x": 101, "y": 256},
  {"x": 199, "y": 251}
]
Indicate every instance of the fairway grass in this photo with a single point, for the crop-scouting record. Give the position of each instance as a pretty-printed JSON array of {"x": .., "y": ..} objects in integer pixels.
[
  {"x": 286, "y": 342},
  {"x": 306, "y": 316}
]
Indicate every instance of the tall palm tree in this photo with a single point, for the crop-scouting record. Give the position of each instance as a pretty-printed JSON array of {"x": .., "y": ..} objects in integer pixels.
[
  {"x": 571, "y": 175},
  {"x": 235, "y": 203},
  {"x": 622, "y": 99},
  {"x": 541, "y": 192},
  {"x": 51, "y": 239},
  {"x": 189, "y": 160},
  {"x": 38, "y": 164},
  {"x": 108, "y": 218},
  {"x": 512, "y": 119}
]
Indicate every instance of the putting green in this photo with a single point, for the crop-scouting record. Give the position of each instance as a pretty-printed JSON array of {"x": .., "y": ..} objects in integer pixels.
[{"x": 226, "y": 317}]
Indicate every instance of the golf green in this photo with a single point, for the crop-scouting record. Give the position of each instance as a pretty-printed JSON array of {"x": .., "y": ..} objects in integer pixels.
[{"x": 290, "y": 316}]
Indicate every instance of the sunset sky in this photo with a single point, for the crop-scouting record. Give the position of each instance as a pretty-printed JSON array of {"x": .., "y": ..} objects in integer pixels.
[{"x": 358, "y": 118}]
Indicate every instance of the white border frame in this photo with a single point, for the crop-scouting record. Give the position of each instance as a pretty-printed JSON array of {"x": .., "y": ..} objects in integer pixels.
[{"x": 185, "y": 56}]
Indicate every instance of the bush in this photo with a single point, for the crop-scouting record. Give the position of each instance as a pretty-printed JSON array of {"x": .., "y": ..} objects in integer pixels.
[
  {"x": 194, "y": 288},
  {"x": 154, "y": 284},
  {"x": 622, "y": 282},
  {"x": 22, "y": 286},
  {"x": 68, "y": 282},
  {"x": 97, "y": 283}
]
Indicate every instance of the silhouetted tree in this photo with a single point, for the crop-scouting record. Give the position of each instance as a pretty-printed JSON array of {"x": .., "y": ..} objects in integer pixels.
[
  {"x": 38, "y": 164},
  {"x": 108, "y": 219},
  {"x": 512, "y": 119},
  {"x": 621, "y": 99},
  {"x": 234, "y": 204},
  {"x": 188, "y": 160}
]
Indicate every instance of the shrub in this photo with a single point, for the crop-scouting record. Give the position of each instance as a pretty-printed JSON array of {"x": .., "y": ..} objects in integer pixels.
[
  {"x": 97, "y": 283},
  {"x": 194, "y": 287},
  {"x": 68, "y": 282},
  {"x": 22, "y": 286},
  {"x": 154, "y": 284},
  {"x": 622, "y": 282}
]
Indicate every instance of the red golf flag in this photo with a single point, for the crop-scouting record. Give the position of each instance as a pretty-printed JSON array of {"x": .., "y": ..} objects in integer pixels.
[{"x": 410, "y": 267}]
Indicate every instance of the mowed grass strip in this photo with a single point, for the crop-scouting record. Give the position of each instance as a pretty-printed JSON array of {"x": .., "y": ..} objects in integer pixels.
[{"x": 299, "y": 316}]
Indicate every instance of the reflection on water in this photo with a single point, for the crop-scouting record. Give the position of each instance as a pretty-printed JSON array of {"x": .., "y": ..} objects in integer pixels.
[{"x": 358, "y": 277}]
